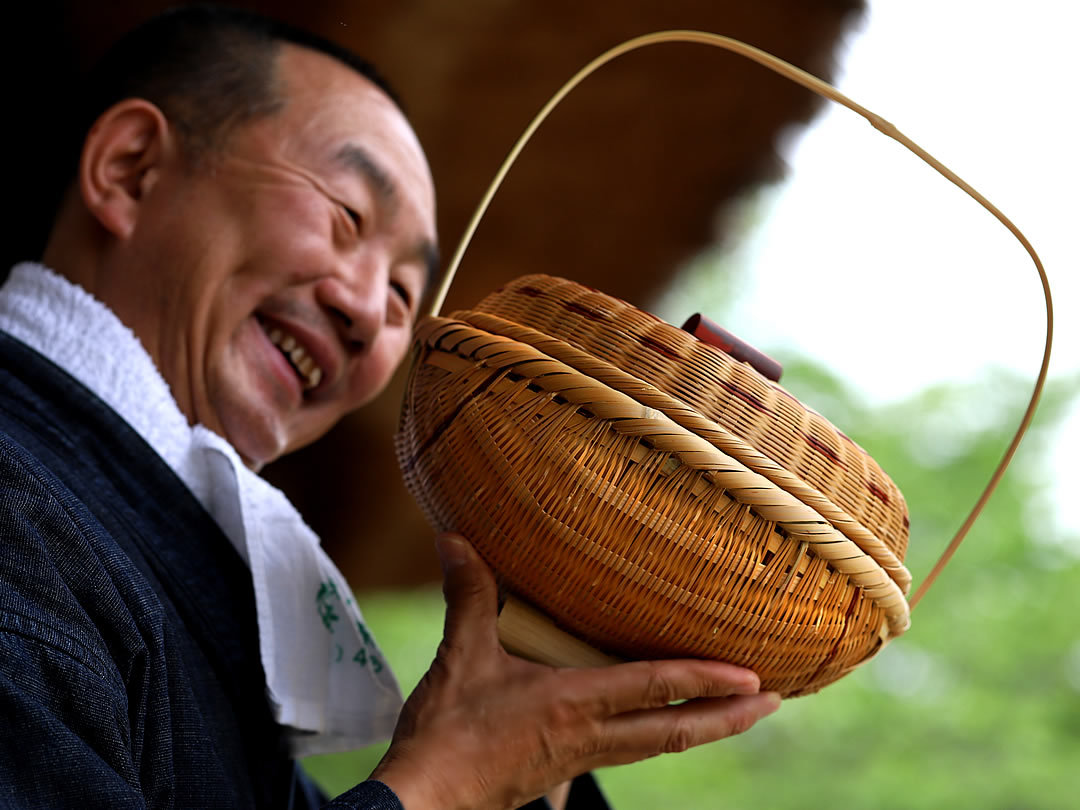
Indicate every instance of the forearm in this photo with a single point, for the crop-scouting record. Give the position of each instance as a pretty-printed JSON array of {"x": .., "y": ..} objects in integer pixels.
[{"x": 487, "y": 731}]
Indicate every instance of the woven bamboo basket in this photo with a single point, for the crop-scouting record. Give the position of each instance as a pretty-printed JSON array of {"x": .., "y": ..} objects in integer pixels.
[
  {"x": 656, "y": 497},
  {"x": 647, "y": 494}
]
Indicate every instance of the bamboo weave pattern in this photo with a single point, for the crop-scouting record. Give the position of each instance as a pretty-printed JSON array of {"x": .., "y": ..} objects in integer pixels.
[{"x": 650, "y": 494}]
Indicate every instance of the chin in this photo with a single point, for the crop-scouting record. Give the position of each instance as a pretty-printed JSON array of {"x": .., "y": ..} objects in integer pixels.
[{"x": 256, "y": 442}]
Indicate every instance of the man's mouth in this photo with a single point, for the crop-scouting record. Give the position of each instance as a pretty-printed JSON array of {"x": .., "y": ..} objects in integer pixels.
[{"x": 298, "y": 358}]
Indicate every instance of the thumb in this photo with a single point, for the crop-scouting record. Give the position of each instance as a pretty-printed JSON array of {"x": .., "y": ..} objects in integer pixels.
[{"x": 471, "y": 594}]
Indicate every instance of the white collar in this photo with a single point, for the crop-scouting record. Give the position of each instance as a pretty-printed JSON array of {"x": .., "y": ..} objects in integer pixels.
[{"x": 326, "y": 678}]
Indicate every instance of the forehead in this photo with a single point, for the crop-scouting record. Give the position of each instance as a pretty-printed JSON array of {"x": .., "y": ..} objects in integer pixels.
[{"x": 336, "y": 120}]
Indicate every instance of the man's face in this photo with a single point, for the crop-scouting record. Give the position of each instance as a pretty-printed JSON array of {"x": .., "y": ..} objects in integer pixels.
[{"x": 281, "y": 280}]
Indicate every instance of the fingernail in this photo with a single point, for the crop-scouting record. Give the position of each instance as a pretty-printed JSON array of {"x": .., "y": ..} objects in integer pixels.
[
  {"x": 772, "y": 701},
  {"x": 751, "y": 687},
  {"x": 451, "y": 550}
]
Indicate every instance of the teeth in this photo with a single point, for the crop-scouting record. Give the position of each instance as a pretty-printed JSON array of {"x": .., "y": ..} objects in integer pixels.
[{"x": 298, "y": 356}]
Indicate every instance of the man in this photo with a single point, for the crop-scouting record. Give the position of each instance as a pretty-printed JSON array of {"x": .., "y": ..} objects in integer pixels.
[{"x": 236, "y": 265}]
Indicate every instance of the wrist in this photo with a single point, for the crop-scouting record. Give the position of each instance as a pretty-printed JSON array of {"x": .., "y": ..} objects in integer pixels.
[{"x": 410, "y": 784}]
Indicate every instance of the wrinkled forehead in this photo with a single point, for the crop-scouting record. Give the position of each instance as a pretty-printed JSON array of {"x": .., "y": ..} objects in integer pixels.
[{"x": 332, "y": 114}]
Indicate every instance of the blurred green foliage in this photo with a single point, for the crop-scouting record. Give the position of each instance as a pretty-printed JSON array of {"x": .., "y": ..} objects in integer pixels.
[{"x": 977, "y": 706}]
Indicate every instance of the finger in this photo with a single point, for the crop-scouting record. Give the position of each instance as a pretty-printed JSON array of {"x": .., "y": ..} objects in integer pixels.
[
  {"x": 635, "y": 735},
  {"x": 470, "y": 592},
  {"x": 651, "y": 684}
]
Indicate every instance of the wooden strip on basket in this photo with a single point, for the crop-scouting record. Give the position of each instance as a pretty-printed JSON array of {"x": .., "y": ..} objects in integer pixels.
[{"x": 525, "y": 631}]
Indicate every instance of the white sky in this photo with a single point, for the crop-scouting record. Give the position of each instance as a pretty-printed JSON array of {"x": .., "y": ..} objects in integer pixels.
[{"x": 881, "y": 269}]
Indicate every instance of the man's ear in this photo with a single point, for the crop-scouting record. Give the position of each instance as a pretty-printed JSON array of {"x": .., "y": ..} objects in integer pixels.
[{"x": 122, "y": 158}]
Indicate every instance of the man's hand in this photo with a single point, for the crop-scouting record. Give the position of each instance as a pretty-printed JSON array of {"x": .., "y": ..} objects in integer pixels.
[{"x": 485, "y": 730}]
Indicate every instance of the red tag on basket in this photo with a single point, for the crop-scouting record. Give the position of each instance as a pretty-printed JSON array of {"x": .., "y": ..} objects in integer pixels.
[{"x": 715, "y": 335}]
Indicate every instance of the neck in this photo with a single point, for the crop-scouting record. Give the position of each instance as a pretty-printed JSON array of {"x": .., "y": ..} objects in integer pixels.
[{"x": 77, "y": 247}]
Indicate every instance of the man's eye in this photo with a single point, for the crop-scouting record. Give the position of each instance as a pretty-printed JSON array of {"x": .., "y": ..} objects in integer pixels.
[
  {"x": 402, "y": 293},
  {"x": 354, "y": 216}
]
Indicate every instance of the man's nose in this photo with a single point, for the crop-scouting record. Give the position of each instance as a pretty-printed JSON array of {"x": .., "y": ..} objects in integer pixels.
[{"x": 356, "y": 299}]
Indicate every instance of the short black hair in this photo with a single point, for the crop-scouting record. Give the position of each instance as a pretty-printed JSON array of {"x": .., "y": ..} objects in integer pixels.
[{"x": 207, "y": 67}]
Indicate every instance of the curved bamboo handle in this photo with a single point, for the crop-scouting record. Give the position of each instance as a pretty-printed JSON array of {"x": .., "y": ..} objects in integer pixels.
[{"x": 826, "y": 90}]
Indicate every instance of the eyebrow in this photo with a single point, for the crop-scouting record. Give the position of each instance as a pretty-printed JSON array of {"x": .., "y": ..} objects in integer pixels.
[{"x": 358, "y": 160}]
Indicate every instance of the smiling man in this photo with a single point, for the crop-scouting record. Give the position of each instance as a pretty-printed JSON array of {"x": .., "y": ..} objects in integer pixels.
[
  {"x": 288, "y": 261},
  {"x": 236, "y": 264}
]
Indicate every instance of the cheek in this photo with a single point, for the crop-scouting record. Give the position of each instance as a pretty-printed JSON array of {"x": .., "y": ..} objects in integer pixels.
[
  {"x": 375, "y": 371},
  {"x": 290, "y": 229}
]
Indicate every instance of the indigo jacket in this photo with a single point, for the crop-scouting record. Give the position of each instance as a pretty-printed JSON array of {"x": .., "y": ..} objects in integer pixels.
[
  {"x": 130, "y": 674},
  {"x": 129, "y": 662}
]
